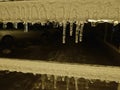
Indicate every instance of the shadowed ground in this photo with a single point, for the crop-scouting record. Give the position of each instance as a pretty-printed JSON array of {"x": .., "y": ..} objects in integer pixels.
[{"x": 90, "y": 52}]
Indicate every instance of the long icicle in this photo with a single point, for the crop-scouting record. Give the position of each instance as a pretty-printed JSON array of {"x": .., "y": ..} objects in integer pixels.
[
  {"x": 77, "y": 32},
  {"x": 71, "y": 28},
  {"x": 76, "y": 83},
  {"x": 64, "y": 31},
  {"x": 81, "y": 32}
]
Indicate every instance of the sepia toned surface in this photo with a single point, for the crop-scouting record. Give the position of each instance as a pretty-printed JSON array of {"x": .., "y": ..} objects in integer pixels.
[
  {"x": 84, "y": 64},
  {"x": 29, "y": 81},
  {"x": 73, "y": 70},
  {"x": 59, "y": 10}
]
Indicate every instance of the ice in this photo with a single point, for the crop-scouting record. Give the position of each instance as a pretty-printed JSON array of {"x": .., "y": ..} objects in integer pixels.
[
  {"x": 71, "y": 28},
  {"x": 77, "y": 32},
  {"x": 76, "y": 83},
  {"x": 109, "y": 73},
  {"x": 4, "y": 25},
  {"x": 26, "y": 26},
  {"x": 67, "y": 81},
  {"x": 15, "y": 25},
  {"x": 59, "y": 10},
  {"x": 55, "y": 80},
  {"x": 64, "y": 31},
  {"x": 81, "y": 31}
]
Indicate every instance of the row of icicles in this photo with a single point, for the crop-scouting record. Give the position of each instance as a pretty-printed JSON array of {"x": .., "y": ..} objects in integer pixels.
[{"x": 78, "y": 31}]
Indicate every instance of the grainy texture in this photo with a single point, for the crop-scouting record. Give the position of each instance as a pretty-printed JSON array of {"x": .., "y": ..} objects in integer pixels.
[
  {"x": 60, "y": 10},
  {"x": 77, "y": 70},
  {"x": 28, "y": 81}
]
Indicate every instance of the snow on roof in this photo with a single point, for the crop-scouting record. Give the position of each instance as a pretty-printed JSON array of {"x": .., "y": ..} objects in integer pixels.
[
  {"x": 68, "y": 10},
  {"x": 108, "y": 73}
]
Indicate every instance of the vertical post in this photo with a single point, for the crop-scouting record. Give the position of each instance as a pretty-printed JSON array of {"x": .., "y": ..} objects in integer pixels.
[
  {"x": 25, "y": 27},
  {"x": 118, "y": 86},
  {"x": 64, "y": 31}
]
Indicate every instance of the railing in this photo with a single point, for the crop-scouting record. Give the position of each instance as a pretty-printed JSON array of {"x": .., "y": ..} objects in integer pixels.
[{"x": 91, "y": 72}]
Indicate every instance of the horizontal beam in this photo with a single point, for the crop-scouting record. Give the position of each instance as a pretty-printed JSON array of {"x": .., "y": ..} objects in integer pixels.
[
  {"x": 39, "y": 10},
  {"x": 108, "y": 73}
]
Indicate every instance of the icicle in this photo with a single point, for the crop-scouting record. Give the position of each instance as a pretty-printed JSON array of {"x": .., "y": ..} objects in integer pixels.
[
  {"x": 26, "y": 27},
  {"x": 76, "y": 83},
  {"x": 81, "y": 32},
  {"x": 60, "y": 24},
  {"x": 37, "y": 85},
  {"x": 43, "y": 82},
  {"x": 15, "y": 25},
  {"x": 115, "y": 23},
  {"x": 64, "y": 31},
  {"x": 32, "y": 23},
  {"x": 55, "y": 80},
  {"x": 77, "y": 33},
  {"x": 42, "y": 23},
  {"x": 86, "y": 84},
  {"x": 57, "y": 24},
  {"x": 71, "y": 28},
  {"x": 54, "y": 24},
  {"x": 63, "y": 79},
  {"x": 67, "y": 81},
  {"x": 93, "y": 24},
  {"x": 118, "y": 86},
  {"x": 4, "y": 25},
  {"x": 48, "y": 76}
]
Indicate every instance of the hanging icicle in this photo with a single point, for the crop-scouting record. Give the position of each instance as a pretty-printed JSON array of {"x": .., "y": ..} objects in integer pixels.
[
  {"x": 93, "y": 24},
  {"x": 71, "y": 28},
  {"x": 42, "y": 23},
  {"x": 32, "y": 23},
  {"x": 81, "y": 32},
  {"x": 118, "y": 86},
  {"x": 26, "y": 27},
  {"x": 16, "y": 25},
  {"x": 76, "y": 83},
  {"x": 64, "y": 31},
  {"x": 60, "y": 24},
  {"x": 63, "y": 78},
  {"x": 115, "y": 23},
  {"x": 43, "y": 82},
  {"x": 87, "y": 84},
  {"x": 55, "y": 80},
  {"x": 67, "y": 83},
  {"x": 48, "y": 76},
  {"x": 4, "y": 25},
  {"x": 77, "y": 32}
]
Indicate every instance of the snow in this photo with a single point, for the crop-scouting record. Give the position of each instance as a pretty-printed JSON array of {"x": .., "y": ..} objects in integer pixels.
[
  {"x": 59, "y": 10},
  {"x": 108, "y": 73}
]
